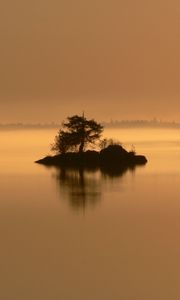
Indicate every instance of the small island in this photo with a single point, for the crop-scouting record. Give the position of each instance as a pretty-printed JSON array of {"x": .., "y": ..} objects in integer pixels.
[{"x": 72, "y": 146}]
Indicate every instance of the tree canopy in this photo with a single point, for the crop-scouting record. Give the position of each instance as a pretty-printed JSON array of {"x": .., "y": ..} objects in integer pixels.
[{"x": 76, "y": 134}]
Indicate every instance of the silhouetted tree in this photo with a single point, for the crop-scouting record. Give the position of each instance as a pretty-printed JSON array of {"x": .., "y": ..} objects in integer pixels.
[{"x": 76, "y": 134}]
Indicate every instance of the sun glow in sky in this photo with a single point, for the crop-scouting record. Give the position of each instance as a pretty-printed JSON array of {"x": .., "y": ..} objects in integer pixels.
[{"x": 113, "y": 59}]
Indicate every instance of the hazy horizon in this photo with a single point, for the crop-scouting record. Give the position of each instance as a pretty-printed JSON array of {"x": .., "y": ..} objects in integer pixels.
[
  {"x": 112, "y": 122},
  {"x": 114, "y": 60}
]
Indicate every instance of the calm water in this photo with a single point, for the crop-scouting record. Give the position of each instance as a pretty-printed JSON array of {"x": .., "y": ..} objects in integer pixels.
[{"x": 90, "y": 236}]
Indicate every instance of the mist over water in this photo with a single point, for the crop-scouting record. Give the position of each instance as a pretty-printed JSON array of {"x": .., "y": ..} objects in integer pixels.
[{"x": 68, "y": 234}]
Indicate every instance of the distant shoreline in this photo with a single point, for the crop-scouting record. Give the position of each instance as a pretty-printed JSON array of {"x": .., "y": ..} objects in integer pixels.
[
  {"x": 141, "y": 124},
  {"x": 28, "y": 126},
  {"x": 123, "y": 124}
]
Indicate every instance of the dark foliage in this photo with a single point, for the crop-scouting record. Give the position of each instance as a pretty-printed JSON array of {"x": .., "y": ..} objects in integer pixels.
[{"x": 76, "y": 134}]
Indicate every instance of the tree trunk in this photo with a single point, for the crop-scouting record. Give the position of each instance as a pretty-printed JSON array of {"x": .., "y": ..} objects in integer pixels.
[{"x": 81, "y": 147}]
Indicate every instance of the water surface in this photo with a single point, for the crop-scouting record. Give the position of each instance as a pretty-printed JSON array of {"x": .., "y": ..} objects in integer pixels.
[{"x": 87, "y": 235}]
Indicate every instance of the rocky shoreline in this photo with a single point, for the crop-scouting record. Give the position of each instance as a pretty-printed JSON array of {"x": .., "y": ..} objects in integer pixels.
[{"x": 114, "y": 156}]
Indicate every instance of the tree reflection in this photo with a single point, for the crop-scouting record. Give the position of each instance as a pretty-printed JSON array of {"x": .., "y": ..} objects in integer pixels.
[{"x": 83, "y": 187}]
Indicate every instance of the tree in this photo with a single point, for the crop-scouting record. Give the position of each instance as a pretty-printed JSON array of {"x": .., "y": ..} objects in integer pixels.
[{"x": 76, "y": 134}]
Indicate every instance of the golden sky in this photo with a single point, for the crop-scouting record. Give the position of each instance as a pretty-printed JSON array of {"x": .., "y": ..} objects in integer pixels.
[{"x": 112, "y": 59}]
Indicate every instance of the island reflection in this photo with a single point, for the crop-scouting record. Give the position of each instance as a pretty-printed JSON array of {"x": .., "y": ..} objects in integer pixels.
[{"x": 82, "y": 187}]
